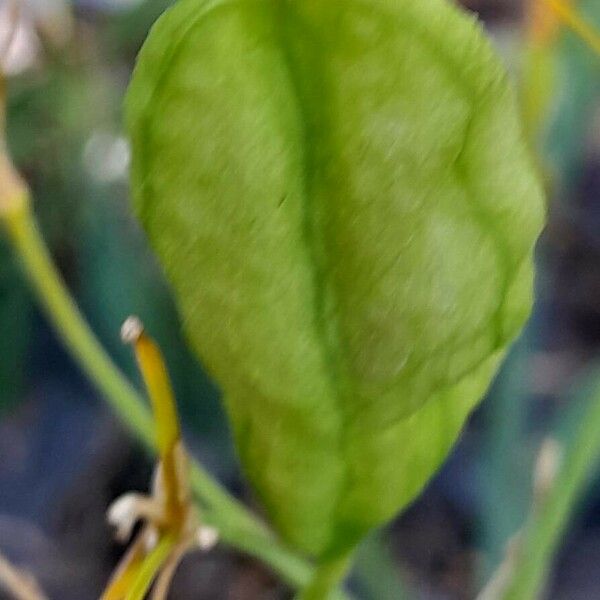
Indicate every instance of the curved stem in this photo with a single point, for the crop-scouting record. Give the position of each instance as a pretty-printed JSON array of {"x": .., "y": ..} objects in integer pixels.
[
  {"x": 70, "y": 325},
  {"x": 550, "y": 519},
  {"x": 235, "y": 523}
]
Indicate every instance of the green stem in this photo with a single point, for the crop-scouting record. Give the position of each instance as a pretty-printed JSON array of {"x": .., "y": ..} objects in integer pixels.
[
  {"x": 236, "y": 524},
  {"x": 326, "y": 579},
  {"x": 70, "y": 325},
  {"x": 246, "y": 533},
  {"x": 548, "y": 522},
  {"x": 376, "y": 572},
  {"x": 150, "y": 568}
]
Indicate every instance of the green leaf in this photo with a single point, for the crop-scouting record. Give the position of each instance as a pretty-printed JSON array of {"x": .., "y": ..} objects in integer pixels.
[{"x": 342, "y": 201}]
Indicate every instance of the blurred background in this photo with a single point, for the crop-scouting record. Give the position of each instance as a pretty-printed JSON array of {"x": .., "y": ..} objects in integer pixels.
[{"x": 64, "y": 458}]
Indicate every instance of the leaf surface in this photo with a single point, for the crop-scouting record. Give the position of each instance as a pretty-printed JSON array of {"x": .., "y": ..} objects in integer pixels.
[{"x": 342, "y": 201}]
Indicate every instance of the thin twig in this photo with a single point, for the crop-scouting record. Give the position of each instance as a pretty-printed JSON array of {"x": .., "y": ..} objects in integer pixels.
[
  {"x": 20, "y": 585},
  {"x": 548, "y": 521},
  {"x": 165, "y": 578},
  {"x": 544, "y": 476}
]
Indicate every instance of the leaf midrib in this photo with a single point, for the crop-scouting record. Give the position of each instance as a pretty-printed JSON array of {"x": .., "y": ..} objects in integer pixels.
[
  {"x": 340, "y": 378},
  {"x": 324, "y": 292}
]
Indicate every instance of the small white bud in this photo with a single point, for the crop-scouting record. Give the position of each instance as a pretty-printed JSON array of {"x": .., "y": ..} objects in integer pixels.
[
  {"x": 207, "y": 537},
  {"x": 123, "y": 514},
  {"x": 131, "y": 330}
]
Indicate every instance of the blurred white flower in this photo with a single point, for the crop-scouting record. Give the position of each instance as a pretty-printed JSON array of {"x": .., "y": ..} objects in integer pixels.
[
  {"x": 19, "y": 42},
  {"x": 106, "y": 157}
]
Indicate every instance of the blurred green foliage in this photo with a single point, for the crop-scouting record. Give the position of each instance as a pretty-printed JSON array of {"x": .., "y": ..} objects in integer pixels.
[
  {"x": 15, "y": 329},
  {"x": 577, "y": 89},
  {"x": 56, "y": 109},
  {"x": 563, "y": 141}
]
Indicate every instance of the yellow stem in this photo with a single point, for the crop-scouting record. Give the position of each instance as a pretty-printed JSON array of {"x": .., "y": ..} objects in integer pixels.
[
  {"x": 160, "y": 391},
  {"x": 150, "y": 568},
  {"x": 542, "y": 23},
  {"x": 571, "y": 17},
  {"x": 158, "y": 385},
  {"x": 127, "y": 572}
]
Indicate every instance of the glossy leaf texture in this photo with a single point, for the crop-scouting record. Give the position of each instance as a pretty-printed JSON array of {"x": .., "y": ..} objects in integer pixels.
[{"x": 343, "y": 204}]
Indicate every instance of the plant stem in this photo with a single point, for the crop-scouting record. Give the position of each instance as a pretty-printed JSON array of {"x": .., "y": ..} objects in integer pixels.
[
  {"x": 549, "y": 521},
  {"x": 326, "y": 579},
  {"x": 235, "y": 523},
  {"x": 18, "y": 585},
  {"x": 150, "y": 568},
  {"x": 376, "y": 572},
  {"x": 572, "y": 18},
  {"x": 69, "y": 323}
]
